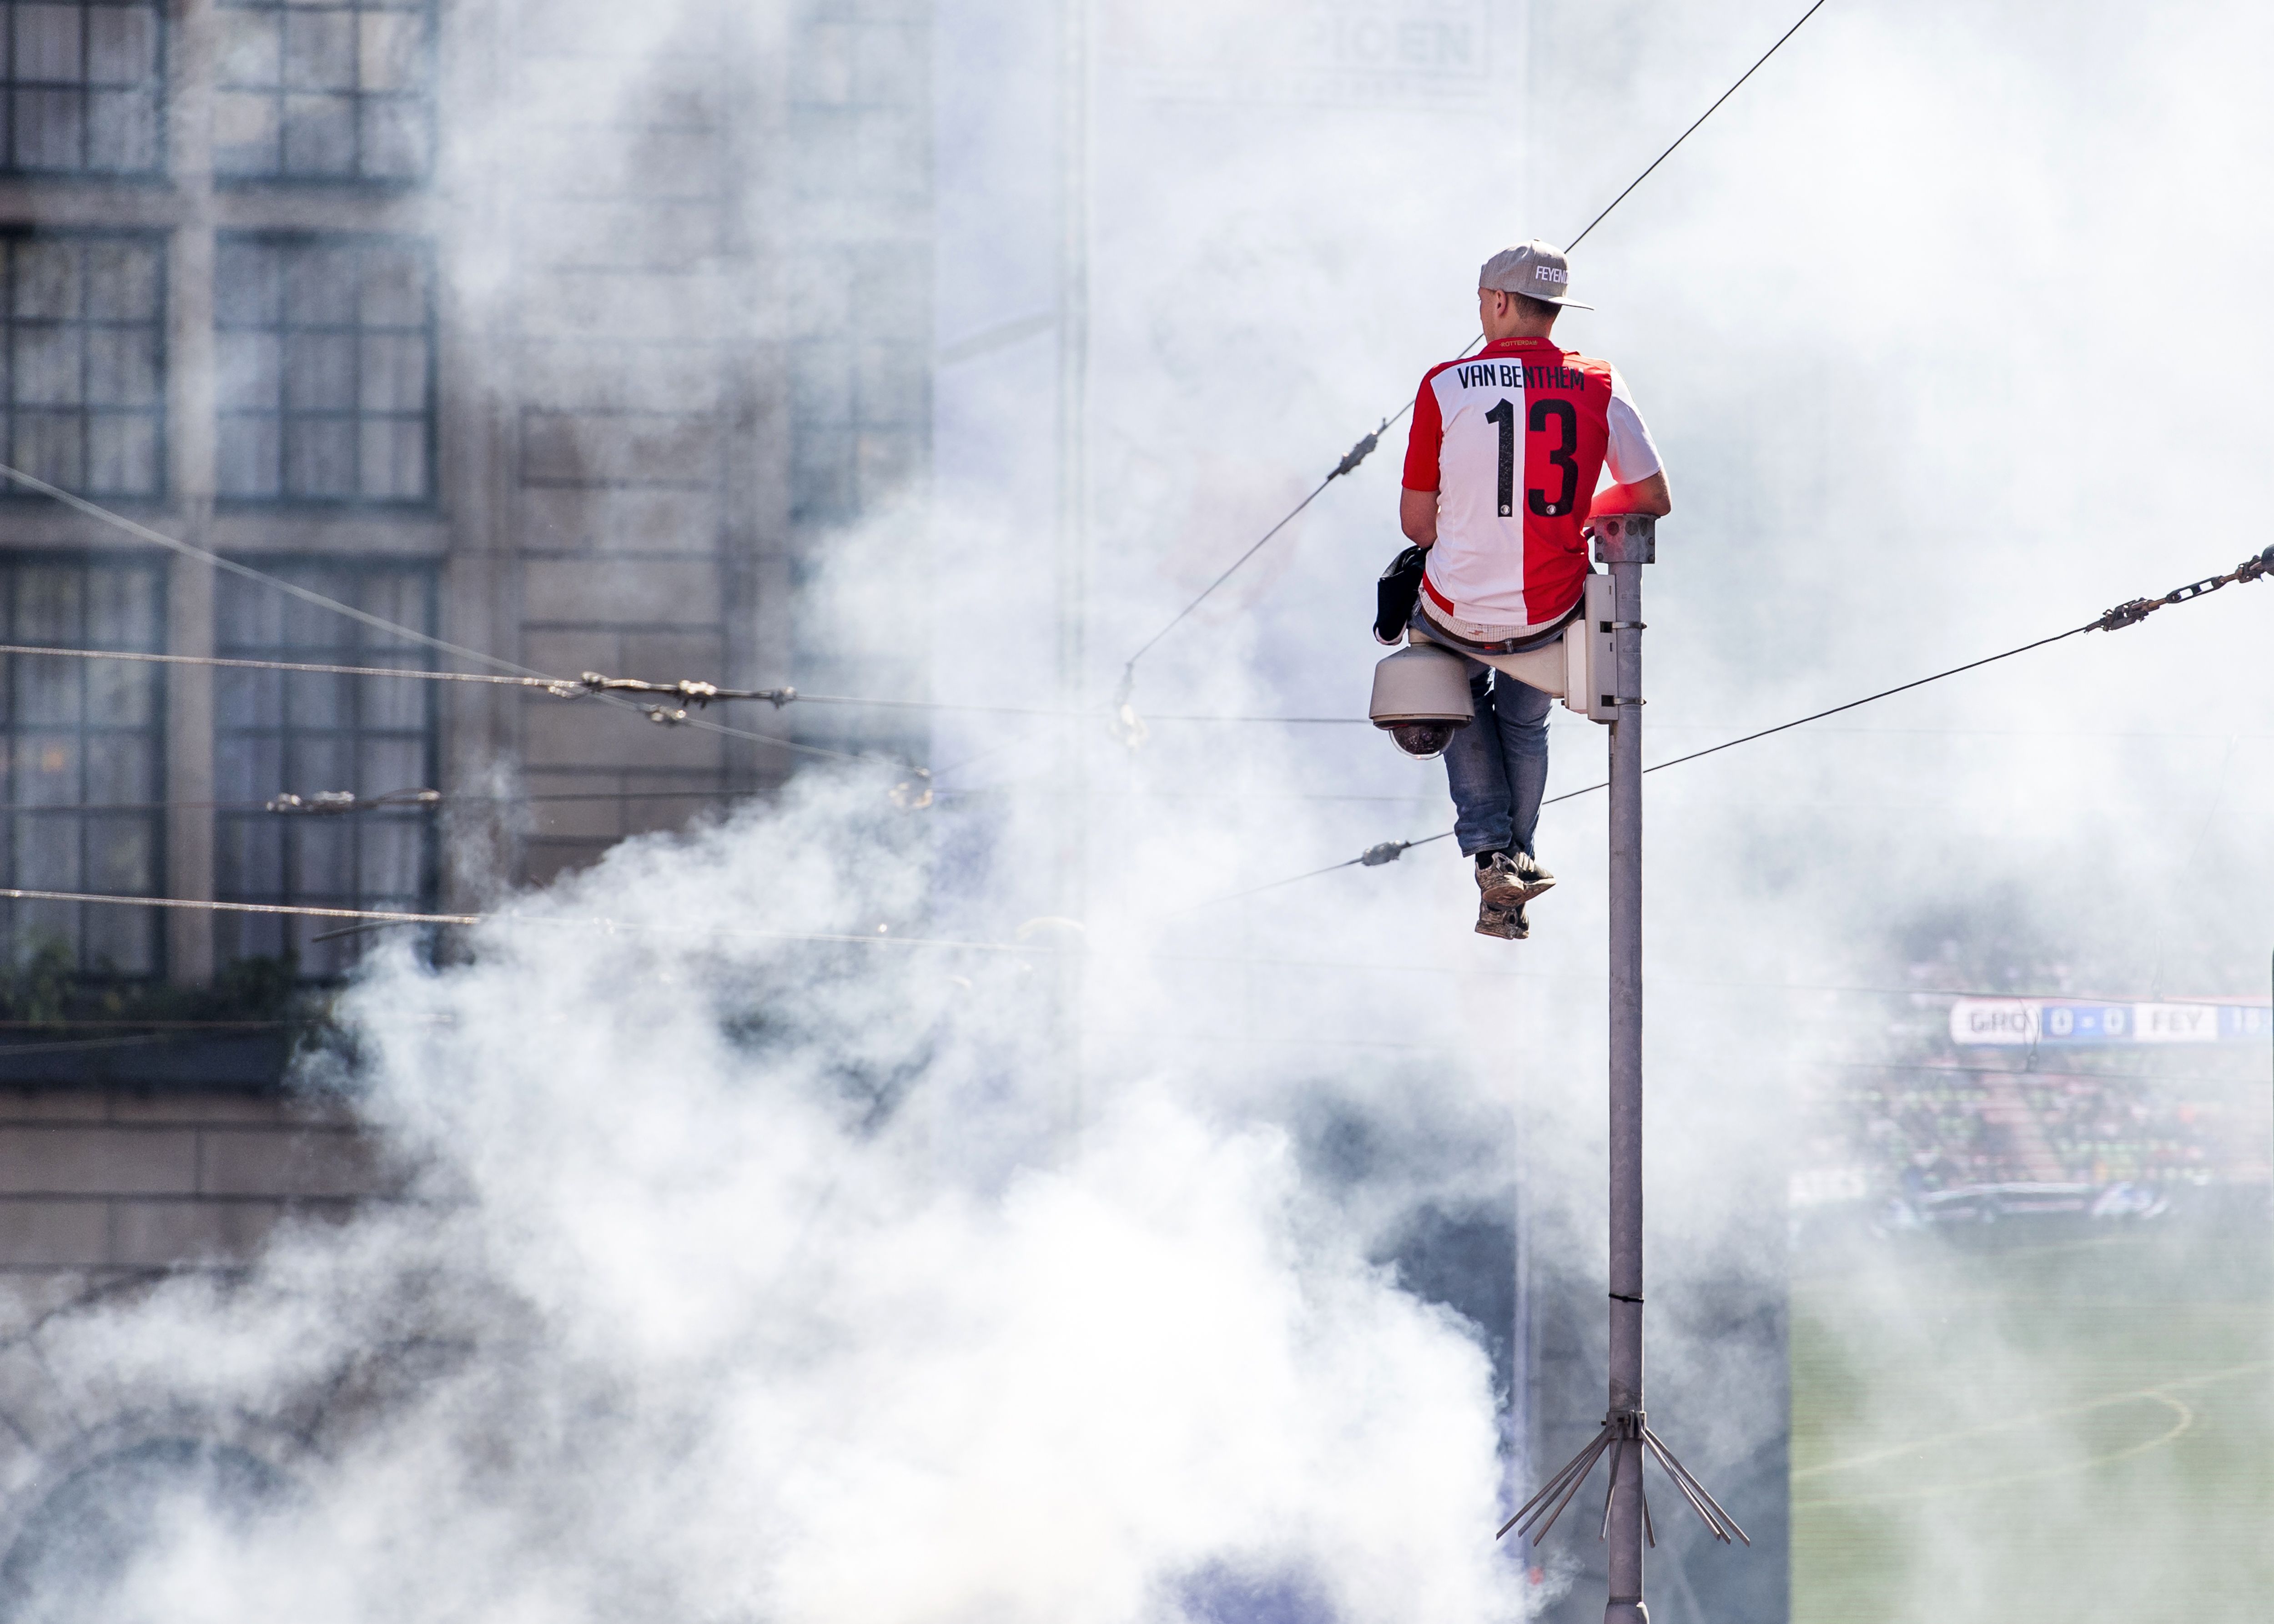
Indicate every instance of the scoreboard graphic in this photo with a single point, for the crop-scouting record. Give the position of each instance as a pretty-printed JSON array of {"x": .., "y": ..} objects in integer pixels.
[{"x": 2010, "y": 1022}]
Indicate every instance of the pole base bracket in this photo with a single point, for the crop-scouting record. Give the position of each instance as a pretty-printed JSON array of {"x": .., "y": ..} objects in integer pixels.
[{"x": 1621, "y": 1426}]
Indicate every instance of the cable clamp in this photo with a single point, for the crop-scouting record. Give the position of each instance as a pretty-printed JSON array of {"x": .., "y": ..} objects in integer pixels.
[
  {"x": 1621, "y": 1296},
  {"x": 913, "y": 793},
  {"x": 2125, "y": 614},
  {"x": 324, "y": 801},
  {"x": 1358, "y": 453}
]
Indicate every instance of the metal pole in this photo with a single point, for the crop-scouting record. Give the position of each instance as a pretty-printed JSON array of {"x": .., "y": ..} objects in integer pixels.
[{"x": 1626, "y": 542}]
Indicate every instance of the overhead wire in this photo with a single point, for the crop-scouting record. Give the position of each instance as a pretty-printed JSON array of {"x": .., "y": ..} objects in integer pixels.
[
  {"x": 527, "y": 677},
  {"x": 384, "y": 917},
  {"x": 1702, "y": 118},
  {"x": 1365, "y": 446},
  {"x": 336, "y": 801},
  {"x": 346, "y": 801},
  {"x": 590, "y": 683},
  {"x": 2125, "y": 614},
  {"x": 393, "y": 628}
]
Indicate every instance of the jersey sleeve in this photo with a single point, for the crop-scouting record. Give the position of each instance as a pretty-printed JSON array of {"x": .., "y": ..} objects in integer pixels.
[
  {"x": 1424, "y": 438},
  {"x": 1631, "y": 452}
]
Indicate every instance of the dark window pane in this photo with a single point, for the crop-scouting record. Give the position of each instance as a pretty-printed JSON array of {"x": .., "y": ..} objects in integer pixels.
[
  {"x": 121, "y": 613},
  {"x": 392, "y": 51},
  {"x": 320, "y": 703},
  {"x": 122, "y": 365},
  {"x": 47, "y": 849},
  {"x": 80, "y": 733},
  {"x": 323, "y": 756},
  {"x": 320, "y": 49},
  {"x": 320, "y": 372},
  {"x": 252, "y": 458},
  {"x": 390, "y": 859},
  {"x": 50, "y": 690},
  {"x": 121, "y": 44},
  {"x": 86, "y": 85},
  {"x": 122, "y": 280},
  {"x": 305, "y": 733},
  {"x": 52, "y": 445},
  {"x": 248, "y": 283},
  {"x": 46, "y": 371},
  {"x": 320, "y": 457},
  {"x": 335, "y": 336},
  {"x": 84, "y": 354},
  {"x": 122, "y": 130},
  {"x": 50, "y": 129},
  {"x": 252, "y": 48},
  {"x": 319, "y": 135},
  {"x": 47, "y": 278},
  {"x": 47, "y": 43},
  {"x": 250, "y": 370},
  {"x": 346, "y": 88},
  {"x": 395, "y": 291},
  {"x": 248, "y": 134},
  {"x": 319, "y": 285},
  {"x": 395, "y": 140},
  {"x": 121, "y": 768},
  {"x": 389, "y": 764},
  {"x": 122, "y": 453},
  {"x": 393, "y": 458},
  {"x": 248, "y": 698},
  {"x": 394, "y": 373}
]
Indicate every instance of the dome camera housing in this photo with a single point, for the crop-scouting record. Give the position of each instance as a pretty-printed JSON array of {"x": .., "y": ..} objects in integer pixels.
[
  {"x": 1423, "y": 740},
  {"x": 1422, "y": 697}
]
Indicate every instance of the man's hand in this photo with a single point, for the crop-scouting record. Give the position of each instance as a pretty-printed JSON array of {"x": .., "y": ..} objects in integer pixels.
[
  {"x": 1649, "y": 496},
  {"x": 1417, "y": 514}
]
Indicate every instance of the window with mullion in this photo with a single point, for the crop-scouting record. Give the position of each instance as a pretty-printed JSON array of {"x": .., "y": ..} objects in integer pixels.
[
  {"x": 326, "y": 346},
  {"x": 83, "y": 91},
  {"x": 83, "y": 318},
  {"x": 83, "y": 768},
  {"x": 290, "y": 733},
  {"x": 335, "y": 90}
]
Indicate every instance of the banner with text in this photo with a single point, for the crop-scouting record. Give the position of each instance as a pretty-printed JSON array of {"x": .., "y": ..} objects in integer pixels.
[{"x": 1977, "y": 1021}]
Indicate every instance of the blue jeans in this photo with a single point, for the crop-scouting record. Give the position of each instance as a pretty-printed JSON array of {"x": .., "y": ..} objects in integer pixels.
[{"x": 1497, "y": 765}]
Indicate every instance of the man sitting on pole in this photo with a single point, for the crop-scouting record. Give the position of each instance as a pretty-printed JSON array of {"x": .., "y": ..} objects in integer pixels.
[{"x": 1500, "y": 477}]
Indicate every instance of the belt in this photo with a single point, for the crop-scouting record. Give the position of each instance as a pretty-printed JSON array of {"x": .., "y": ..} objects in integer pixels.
[{"x": 1512, "y": 645}]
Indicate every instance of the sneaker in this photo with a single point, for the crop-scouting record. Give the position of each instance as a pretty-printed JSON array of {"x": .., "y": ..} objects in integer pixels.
[
  {"x": 1510, "y": 879},
  {"x": 1507, "y": 923}
]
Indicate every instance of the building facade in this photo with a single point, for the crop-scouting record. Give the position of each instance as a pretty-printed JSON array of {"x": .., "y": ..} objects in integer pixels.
[{"x": 567, "y": 334}]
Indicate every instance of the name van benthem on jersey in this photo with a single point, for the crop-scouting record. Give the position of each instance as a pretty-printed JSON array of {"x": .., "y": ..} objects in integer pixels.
[{"x": 1508, "y": 375}]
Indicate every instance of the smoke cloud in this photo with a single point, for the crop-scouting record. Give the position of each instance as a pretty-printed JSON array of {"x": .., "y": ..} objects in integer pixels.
[{"x": 742, "y": 1274}]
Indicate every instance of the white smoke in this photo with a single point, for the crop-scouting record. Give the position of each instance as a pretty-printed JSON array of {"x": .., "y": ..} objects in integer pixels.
[
  {"x": 755, "y": 1276},
  {"x": 709, "y": 1318}
]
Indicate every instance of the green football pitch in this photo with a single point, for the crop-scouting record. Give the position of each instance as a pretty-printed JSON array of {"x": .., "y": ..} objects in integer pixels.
[{"x": 2023, "y": 1423}]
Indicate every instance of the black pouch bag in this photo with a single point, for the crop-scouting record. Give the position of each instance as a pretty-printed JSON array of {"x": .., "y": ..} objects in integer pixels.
[{"x": 1396, "y": 594}]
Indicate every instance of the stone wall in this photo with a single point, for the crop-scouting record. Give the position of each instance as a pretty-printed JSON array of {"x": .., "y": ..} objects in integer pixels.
[{"x": 96, "y": 1185}]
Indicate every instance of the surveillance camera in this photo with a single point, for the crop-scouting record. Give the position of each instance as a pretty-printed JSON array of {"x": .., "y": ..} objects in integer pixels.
[
  {"x": 1420, "y": 698},
  {"x": 1423, "y": 740}
]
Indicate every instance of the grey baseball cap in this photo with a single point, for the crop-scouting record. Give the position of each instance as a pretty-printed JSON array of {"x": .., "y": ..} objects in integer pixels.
[{"x": 1535, "y": 269}]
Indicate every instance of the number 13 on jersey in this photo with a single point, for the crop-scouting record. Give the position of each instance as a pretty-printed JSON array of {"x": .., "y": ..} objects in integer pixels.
[{"x": 1561, "y": 456}]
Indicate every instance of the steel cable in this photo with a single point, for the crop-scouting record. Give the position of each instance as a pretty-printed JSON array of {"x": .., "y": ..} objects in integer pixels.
[
  {"x": 1365, "y": 448},
  {"x": 2124, "y": 615}
]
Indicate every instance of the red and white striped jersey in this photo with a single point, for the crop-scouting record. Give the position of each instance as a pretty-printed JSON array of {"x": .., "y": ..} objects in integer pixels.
[{"x": 1513, "y": 440}]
